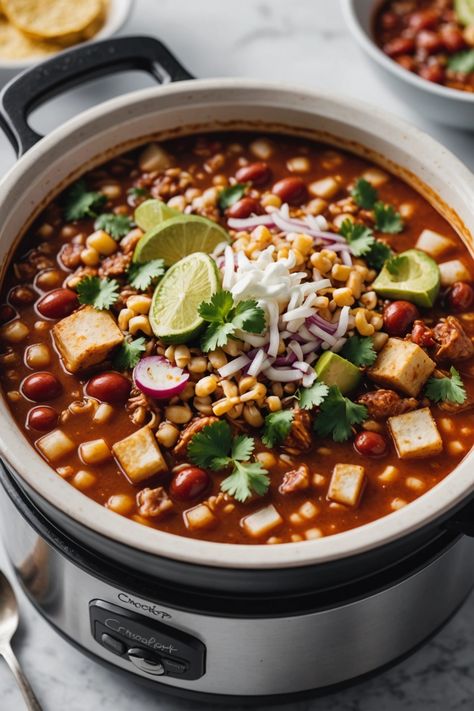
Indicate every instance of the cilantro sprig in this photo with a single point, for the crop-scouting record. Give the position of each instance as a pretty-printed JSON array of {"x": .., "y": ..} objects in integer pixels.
[
  {"x": 363, "y": 244},
  {"x": 387, "y": 219},
  {"x": 128, "y": 354},
  {"x": 364, "y": 194},
  {"x": 117, "y": 226},
  {"x": 215, "y": 448},
  {"x": 312, "y": 396},
  {"x": 337, "y": 415},
  {"x": 359, "y": 350},
  {"x": 277, "y": 427},
  {"x": 80, "y": 202},
  {"x": 136, "y": 193},
  {"x": 96, "y": 292},
  {"x": 141, "y": 276},
  {"x": 225, "y": 318},
  {"x": 447, "y": 389},
  {"x": 229, "y": 196},
  {"x": 462, "y": 62}
]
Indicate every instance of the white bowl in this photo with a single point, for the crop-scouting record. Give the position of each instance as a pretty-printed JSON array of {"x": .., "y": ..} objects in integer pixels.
[
  {"x": 436, "y": 102},
  {"x": 117, "y": 14}
]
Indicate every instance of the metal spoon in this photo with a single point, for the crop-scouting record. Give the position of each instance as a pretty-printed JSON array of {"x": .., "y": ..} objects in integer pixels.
[{"x": 8, "y": 627}]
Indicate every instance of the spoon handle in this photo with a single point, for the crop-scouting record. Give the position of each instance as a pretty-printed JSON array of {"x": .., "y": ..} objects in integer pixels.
[{"x": 31, "y": 701}]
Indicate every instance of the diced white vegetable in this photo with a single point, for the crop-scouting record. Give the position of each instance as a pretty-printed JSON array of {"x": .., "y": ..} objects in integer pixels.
[
  {"x": 433, "y": 243},
  {"x": 402, "y": 365},
  {"x": 86, "y": 337},
  {"x": 452, "y": 271},
  {"x": 154, "y": 157},
  {"x": 308, "y": 510},
  {"x": 262, "y": 522},
  {"x": 347, "y": 483},
  {"x": 415, "y": 434},
  {"x": 199, "y": 517},
  {"x": 389, "y": 474},
  {"x": 95, "y": 451},
  {"x": 55, "y": 445},
  {"x": 139, "y": 455},
  {"x": 375, "y": 177},
  {"x": 325, "y": 188}
]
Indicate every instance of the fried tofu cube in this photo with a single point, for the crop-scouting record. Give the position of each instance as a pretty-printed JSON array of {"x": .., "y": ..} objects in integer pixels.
[
  {"x": 347, "y": 484},
  {"x": 453, "y": 271},
  {"x": 139, "y": 455},
  {"x": 433, "y": 243},
  {"x": 415, "y": 434},
  {"x": 402, "y": 365},
  {"x": 86, "y": 337}
]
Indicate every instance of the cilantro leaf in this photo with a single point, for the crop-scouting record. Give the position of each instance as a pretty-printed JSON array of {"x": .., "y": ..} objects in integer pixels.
[
  {"x": 387, "y": 219},
  {"x": 229, "y": 196},
  {"x": 447, "y": 389},
  {"x": 277, "y": 427},
  {"x": 364, "y": 194},
  {"x": 462, "y": 62},
  {"x": 80, "y": 203},
  {"x": 137, "y": 192},
  {"x": 96, "y": 292},
  {"x": 378, "y": 255},
  {"x": 359, "y": 237},
  {"x": 141, "y": 276},
  {"x": 359, "y": 350},
  {"x": 337, "y": 415},
  {"x": 397, "y": 264},
  {"x": 128, "y": 354},
  {"x": 211, "y": 445},
  {"x": 312, "y": 396},
  {"x": 225, "y": 318},
  {"x": 116, "y": 226},
  {"x": 245, "y": 479},
  {"x": 242, "y": 448}
]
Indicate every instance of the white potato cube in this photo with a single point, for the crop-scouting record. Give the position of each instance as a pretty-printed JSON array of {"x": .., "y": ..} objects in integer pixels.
[
  {"x": 452, "y": 271},
  {"x": 433, "y": 243},
  {"x": 347, "y": 483},
  {"x": 402, "y": 365},
  {"x": 415, "y": 434},
  {"x": 154, "y": 158},
  {"x": 325, "y": 188},
  {"x": 55, "y": 445},
  {"x": 139, "y": 455},
  {"x": 262, "y": 521},
  {"x": 86, "y": 337},
  {"x": 375, "y": 177},
  {"x": 94, "y": 451},
  {"x": 199, "y": 517}
]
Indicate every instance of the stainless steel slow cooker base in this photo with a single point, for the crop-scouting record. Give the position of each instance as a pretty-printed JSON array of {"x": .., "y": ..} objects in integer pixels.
[{"x": 223, "y": 646}]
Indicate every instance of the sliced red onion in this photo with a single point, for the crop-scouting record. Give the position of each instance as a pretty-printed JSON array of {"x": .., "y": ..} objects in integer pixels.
[
  {"x": 303, "y": 312},
  {"x": 155, "y": 376},
  {"x": 338, "y": 345},
  {"x": 253, "y": 221},
  {"x": 308, "y": 379},
  {"x": 257, "y": 363},
  {"x": 296, "y": 349},
  {"x": 323, "y": 335},
  {"x": 311, "y": 357},
  {"x": 229, "y": 267},
  {"x": 346, "y": 258},
  {"x": 282, "y": 375},
  {"x": 327, "y": 326},
  {"x": 343, "y": 322},
  {"x": 288, "y": 359},
  {"x": 273, "y": 317},
  {"x": 303, "y": 366},
  {"x": 311, "y": 346},
  {"x": 234, "y": 366}
]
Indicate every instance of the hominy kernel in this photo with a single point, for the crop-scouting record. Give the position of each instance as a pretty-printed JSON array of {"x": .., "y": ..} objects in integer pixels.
[
  {"x": 140, "y": 324},
  {"x": 325, "y": 188},
  {"x": 206, "y": 386},
  {"x": 262, "y": 148},
  {"x": 340, "y": 272},
  {"x": 167, "y": 434},
  {"x": 178, "y": 414},
  {"x": 379, "y": 340},
  {"x": 446, "y": 424},
  {"x": 320, "y": 263},
  {"x": 252, "y": 416},
  {"x": 376, "y": 321},
  {"x": 112, "y": 190},
  {"x": 102, "y": 243},
  {"x": 233, "y": 348},
  {"x": 412, "y": 482},
  {"x": 38, "y": 356},
  {"x": 14, "y": 332},
  {"x": 83, "y": 480},
  {"x": 313, "y": 533},
  {"x": 139, "y": 303},
  {"x": 372, "y": 426},
  {"x": 296, "y": 519},
  {"x": 389, "y": 474},
  {"x": 188, "y": 391},
  {"x": 267, "y": 459},
  {"x": 369, "y": 300},
  {"x": 229, "y": 388},
  {"x": 343, "y": 296},
  {"x": 223, "y": 406},
  {"x": 364, "y": 328},
  {"x": 316, "y": 206},
  {"x": 217, "y": 358},
  {"x": 318, "y": 480},
  {"x": 103, "y": 413},
  {"x": 203, "y": 405},
  {"x": 303, "y": 243},
  {"x": 65, "y": 472},
  {"x": 406, "y": 210},
  {"x": 121, "y": 504},
  {"x": 124, "y": 318},
  {"x": 94, "y": 451},
  {"x": 397, "y": 503},
  {"x": 456, "y": 447},
  {"x": 308, "y": 510},
  {"x": 298, "y": 164},
  {"x": 14, "y": 395},
  {"x": 273, "y": 403},
  {"x": 256, "y": 393},
  {"x": 198, "y": 364},
  {"x": 182, "y": 356}
]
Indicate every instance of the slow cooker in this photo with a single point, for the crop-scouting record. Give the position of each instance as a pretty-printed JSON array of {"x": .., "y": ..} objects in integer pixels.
[{"x": 212, "y": 620}]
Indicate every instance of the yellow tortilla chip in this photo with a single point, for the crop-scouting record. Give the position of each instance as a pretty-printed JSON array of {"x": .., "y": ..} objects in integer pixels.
[
  {"x": 16, "y": 45},
  {"x": 60, "y": 20}
]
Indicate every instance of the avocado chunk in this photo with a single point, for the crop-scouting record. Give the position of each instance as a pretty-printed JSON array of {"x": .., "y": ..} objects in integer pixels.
[
  {"x": 333, "y": 369},
  {"x": 411, "y": 275}
]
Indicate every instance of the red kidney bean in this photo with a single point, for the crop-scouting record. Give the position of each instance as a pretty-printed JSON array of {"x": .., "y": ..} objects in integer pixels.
[
  {"x": 452, "y": 38},
  {"x": 22, "y": 296},
  {"x": 58, "y": 303},
  {"x": 399, "y": 45},
  {"x": 432, "y": 72},
  {"x": 422, "y": 335},
  {"x": 461, "y": 296},
  {"x": 41, "y": 386},
  {"x": 7, "y": 313},
  {"x": 189, "y": 483},
  {"x": 255, "y": 173},
  {"x": 370, "y": 444},
  {"x": 291, "y": 190},
  {"x": 398, "y": 317},
  {"x": 389, "y": 20},
  {"x": 109, "y": 387},
  {"x": 42, "y": 418},
  {"x": 429, "y": 41},
  {"x": 244, "y": 208},
  {"x": 422, "y": 19}
]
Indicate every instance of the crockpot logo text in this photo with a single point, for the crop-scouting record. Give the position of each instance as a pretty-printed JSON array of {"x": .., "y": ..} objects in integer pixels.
[
  {"x": 146, "y": 607},
  {"x": 116, "y": 626}
]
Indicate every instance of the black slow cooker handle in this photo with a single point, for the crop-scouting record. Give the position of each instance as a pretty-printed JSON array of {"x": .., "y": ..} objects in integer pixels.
[
  {"x": 462, "y": 521},
  {"x": 75, "y": 66}
]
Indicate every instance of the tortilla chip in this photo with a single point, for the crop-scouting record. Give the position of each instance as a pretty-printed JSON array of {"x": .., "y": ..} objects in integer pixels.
[
  {"x": 16, "y": 45},
  {"x": 57, "y": 20}
]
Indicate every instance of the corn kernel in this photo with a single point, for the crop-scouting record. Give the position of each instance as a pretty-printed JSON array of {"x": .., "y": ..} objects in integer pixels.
[
  {"x": 139, "y": 303},
  {"x": 178, "y": 414},
  {"x": 273, "y": 403},
  {"x": 340, "y": 272},
  {"x": 303, "y": 243},
  {"x": 206, "y": 386},
  {"x": 270, "y": 200},
  {"x": 140, "y": 323},
  {"x": 343, "y": 296},
  {"x": 90, "y": 257},
  {"x": 102, "y": 243}
]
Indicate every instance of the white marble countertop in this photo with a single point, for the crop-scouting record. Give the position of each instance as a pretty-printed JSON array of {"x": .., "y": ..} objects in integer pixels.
[{"x": 303, "y": 41}]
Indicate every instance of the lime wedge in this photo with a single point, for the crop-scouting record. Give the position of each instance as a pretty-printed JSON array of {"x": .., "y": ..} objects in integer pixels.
[
  {"x": 152, "y": 213},
  {"x": 177, "y": 237},
  {"x": 465, "y": 11},
  {"x": 174, "y": 313}
]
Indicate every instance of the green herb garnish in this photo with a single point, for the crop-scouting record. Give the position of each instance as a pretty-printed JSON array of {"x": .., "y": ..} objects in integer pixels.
[
  {"x": 141, "y": 276},
  {"x": 128, "y": 354},
  {"x": 225, "y": 319},
  {"x": 387, "y": 219},
  {"x": 96, "y": 292},
  {"x": 337, "y": 416},
  {"x": 215, "y": 448},
  {"x": 312, "y": 396},
  {"x": 117, "y": 226},
  {"x": 80, "y": 203},
  {"x": 137, "y": 192},
  {"x": 462, "y": 62},
  {"x": 277, "y": 427},
  {"x": 364, "y": 194},
  {"x": 359, "y": 350},
  {"x": 359, "y": 237},
  {"x": 378, "y": 255},
  {"x": 446, "y": 389},
  {"x": 229, "y": 196}
]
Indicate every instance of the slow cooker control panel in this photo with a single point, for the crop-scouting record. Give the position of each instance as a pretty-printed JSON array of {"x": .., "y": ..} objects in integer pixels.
[{"x": 151, "y": 646}]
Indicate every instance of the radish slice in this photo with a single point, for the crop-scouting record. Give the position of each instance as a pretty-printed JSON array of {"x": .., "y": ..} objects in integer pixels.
[{"x": 155, "y": 376}]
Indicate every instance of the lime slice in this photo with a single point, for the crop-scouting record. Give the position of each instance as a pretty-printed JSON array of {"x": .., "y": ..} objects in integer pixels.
[
  {"x": 465, "y": 11},
  {"x": 152, "y": 213},
  {"x": 177, "y": 237},
  {"x": 174, "y": 313}
]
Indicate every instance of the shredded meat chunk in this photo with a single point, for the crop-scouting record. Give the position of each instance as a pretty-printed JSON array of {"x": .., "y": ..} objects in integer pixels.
[
  {"x": 295, "y": 480},
  {"x": 386, "y": 403},
  {"x": 299, "y": 438},
  {"x": 188, "y": 433},
  {"x": 115, "y": 265},
  {"x": 140, "y": 407},
  {"x": 70, "y": 255},
  {"x": 452, "y": 342},
  {"x": 153, "y": 502}
]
